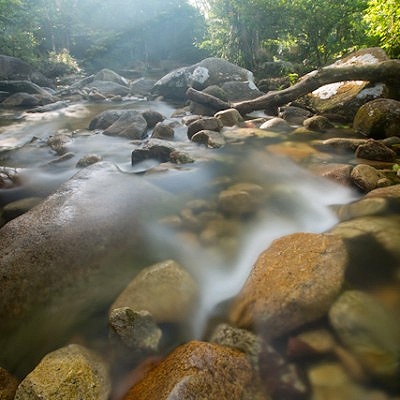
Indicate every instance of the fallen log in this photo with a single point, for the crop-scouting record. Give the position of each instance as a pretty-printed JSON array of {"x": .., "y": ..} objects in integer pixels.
[{"x": 387, "y": 72}]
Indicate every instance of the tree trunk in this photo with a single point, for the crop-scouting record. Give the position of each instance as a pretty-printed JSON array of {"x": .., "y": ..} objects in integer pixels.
[{"x": 387, "y": 72}]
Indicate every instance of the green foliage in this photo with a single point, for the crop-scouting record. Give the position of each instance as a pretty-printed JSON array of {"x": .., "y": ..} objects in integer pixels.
[
  {"x": 383, "y": 18},
  {"x": 310, "y": 31}
]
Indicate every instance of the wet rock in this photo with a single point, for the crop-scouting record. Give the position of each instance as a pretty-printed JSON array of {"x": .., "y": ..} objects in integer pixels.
[
  {"x": 330, "y": 381},
  {"x": 9, "y": 177},
  {"x": 366, "y": 177},
  {"x": 238, "y": 91},
  {"x": 209, "y": 138},
  {"x": 16, "y": 208},
  {"x": 311, "y": 343},
  {"x": 205, "y": 123},
  {"x": 282, "y": 380},
  {"x": 240, "y": 339},
  {"x": 381, "y": 233},
  {"x": 241, "y": 199},
  {"x": 341, "y": 145},
  {"x": 96, "y": 96},
  {"x": 153, "y": 150},
  {"x": 204, "y": 109},
  {"x": 374, "y": 150},
  {"x": 240, "y": 134},
  {"x": 208, "y": 72},
  {"x": 108, "y": 89},
  {"x": 127, "y": 123},
  {"x": 163, "y": 293},
  {"x": 58, "y": 142},
  {"x": 142, "y": 86},
  {"x": 340, "y": 173},
  {"x": 345, "y": 98},
  {"x": 87, "y": 160},
  {"x": 8, "y": 385},
  {"x": 24, "y": 86},
  {"x": 50, "y": 107},
  {"x": 152, "y": 117},
  {"x": 392, "y": 191},
  {"x": 371, "y": 332},
  {"x": 56, "y": 257},
  {"x": 111, "y": 76},
  {"x": 378, "y": 119},
  {"x": 318, "y": 123},
  {"x": 293, "y": 282},
  {"x": 163, "y": 131},
  {"x": 199, "y": 370},
  {"x": 72, "y": 372},
  {"x": 21, "y": 100},
  {"x": 276, "y": 125},
  {"x": 229, "y": 117},
  {"x": 364, "y": 207},
  {"x": 294, "y": 115}
]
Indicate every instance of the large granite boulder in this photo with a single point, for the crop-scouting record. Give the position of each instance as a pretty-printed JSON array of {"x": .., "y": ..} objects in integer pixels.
[
  {"x": 208, "y": 72},
  {"x": 110, "y": 76},
  {"x": 69, "y": 255},
  {"x": 345, "y": 98},
  {"x": 293, "y": 282}
]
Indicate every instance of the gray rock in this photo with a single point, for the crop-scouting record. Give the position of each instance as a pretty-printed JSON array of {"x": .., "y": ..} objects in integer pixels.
[
  {"x": 317, "y": 123},
  {"x": 210, "y": 71},
  {"x": 276, "y": 125},
  {"x": 162, "y": 131},
  {"x": 238, "y": 91},
  {"x": 23, "y": 87},
  {"x": 21, "y": 100},
  {"x": 370, "y": 331},
  {"x": 56, "y": 258},
  {"x": 205, "y": 123},
  {"x": 87, "y": 160},
  {"x": 72, "y": 372},
  {"x": 378, "y": 119},
  {"x": 128, "y": 123},
  {"x": 377, "y": 151},
  {"x": 19, "y": 207},
  {"x": 159, "y": 294},
  {"x": 142, "y": 86},
  {"x": 152, "y": 117},
  {"x": 209, "y": 138},
  {"x": 229, "y": 117},
  {"x": 109, "y": 89},
  {"x": 110, "y": 76},
  {"x": 366, "y": 177}
]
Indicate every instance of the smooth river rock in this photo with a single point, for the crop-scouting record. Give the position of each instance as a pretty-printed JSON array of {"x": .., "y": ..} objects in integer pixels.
[
  {"x": 293, "y": 282},
  {"x": 74, "y": 250},
  {"x": 199, "y": 370},
  {"x": 72, "y": 372}
]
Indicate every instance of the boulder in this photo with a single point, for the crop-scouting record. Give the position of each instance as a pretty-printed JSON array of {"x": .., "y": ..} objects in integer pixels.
[
  {"x": 376, "y": 151},
  {"x": 199, "y": 370},
  {"x": 163, "y": 293},
  {"x": 16, "y": 86},
  {"x": 205, "y": 123},
  {"x": 293, "y": 282},
  {"x": 8, "y": 385},
  {"x": 72, "y": 372},
  {"x": 56, "y": 258},
  {"x": 211, "y": 139},
  {"x": 110, "y": 76},
  {"x": 371, "y": 332},
  {"x": 345, "y": 98},
  {"x": 367, "y": 177},
  {"x": 163, "y": 131},
  {"x": 21, "y": 100},
  {"x": 142, "y": 86},
  {"x": 210, "y": 71},
  {"x": 378, "y": 119},
  {"x": 128, "y": 123},
  {"x": 109, "y": 88}
]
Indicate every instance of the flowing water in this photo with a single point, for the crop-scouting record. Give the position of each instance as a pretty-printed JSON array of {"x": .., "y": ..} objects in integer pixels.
[{"x": 293, "y": 201}]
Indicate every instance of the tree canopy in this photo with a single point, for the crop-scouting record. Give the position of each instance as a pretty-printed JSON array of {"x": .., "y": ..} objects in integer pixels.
[{"x": 120, "y": 33}]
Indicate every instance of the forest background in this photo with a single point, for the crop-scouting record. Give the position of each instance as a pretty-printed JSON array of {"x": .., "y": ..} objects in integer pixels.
[{"x": 63, "y": 36}]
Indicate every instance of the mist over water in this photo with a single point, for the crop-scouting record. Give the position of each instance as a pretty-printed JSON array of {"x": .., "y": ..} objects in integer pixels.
[{"x": 296, "y": 201}]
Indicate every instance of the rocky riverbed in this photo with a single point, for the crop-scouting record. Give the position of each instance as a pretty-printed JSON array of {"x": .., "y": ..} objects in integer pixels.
[{"x": 150, "y": 252}]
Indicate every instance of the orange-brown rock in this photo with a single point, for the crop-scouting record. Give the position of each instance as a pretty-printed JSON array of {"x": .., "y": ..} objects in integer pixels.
[
  {"x": 199, "y": 370},
  {"x": 293, "y": 282}
]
